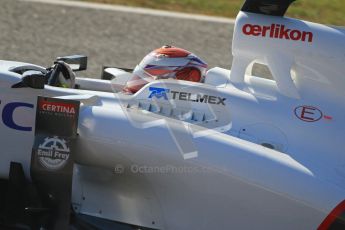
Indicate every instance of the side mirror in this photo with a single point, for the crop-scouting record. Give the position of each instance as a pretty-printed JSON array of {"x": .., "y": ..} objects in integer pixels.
[
  {"x": 76, "y": 62},
  {"x": 32, "y": 79}
]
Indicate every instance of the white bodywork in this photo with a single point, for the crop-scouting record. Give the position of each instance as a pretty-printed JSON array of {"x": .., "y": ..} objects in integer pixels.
[{"x": 178, "y": 164}]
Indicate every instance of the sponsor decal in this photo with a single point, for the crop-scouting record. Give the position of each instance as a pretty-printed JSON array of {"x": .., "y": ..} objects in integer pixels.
[
  {"x": 53, "y": 153},
  {"x": 308, "y": 113},
  {"x": 202, "y": 98},
  {"x": 47, "y": 107},
  {"x": 57, "y": 108},
  {"x": 56, "y": 116},
  {"x": 8, "y": 113},
  {"x": 186, "y": 96},
  {"x": 277, "y": 31},
  {"x": 159, "y": 92}
]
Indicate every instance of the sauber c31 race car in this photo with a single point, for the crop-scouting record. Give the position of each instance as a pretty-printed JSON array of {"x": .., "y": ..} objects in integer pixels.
[{"x": 233, "y": 151}]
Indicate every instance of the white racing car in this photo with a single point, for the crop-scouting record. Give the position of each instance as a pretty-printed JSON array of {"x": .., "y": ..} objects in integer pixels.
[{"x": 227, "y": 151}]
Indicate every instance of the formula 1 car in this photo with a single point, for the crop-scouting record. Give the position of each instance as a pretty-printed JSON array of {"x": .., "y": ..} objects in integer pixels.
[{"x": 233, "y": 152}]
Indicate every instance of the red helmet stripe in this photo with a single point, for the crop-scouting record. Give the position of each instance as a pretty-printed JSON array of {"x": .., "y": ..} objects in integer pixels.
[
  {"x": 156, "y": 72},
  {"x": 172, "y": 52}
]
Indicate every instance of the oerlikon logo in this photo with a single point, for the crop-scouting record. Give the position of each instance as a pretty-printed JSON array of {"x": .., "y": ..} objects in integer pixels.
[{"x": 277, "y": 31}]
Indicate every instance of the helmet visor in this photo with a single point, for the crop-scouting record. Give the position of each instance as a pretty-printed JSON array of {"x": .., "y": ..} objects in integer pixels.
[{"x": 139, "y": 79}]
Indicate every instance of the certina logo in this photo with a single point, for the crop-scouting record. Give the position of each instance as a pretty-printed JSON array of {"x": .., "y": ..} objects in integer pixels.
[
  {"x": 185, "y": 96},
  {"x": 57, "y": 107},
  {"x": 53, "y": 153},
  {"x": 277, "y": 31}
]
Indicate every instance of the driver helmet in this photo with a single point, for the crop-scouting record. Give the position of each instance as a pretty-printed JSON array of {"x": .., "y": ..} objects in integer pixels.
[{"x": 167, "y": 62}]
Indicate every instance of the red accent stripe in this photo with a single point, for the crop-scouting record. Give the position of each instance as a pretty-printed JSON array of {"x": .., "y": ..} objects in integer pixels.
[
  {"x": 332, "y": 216},
  {"x": 328, "y": 117}
]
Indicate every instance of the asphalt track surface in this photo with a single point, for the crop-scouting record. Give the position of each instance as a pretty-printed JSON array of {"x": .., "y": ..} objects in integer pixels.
[{"x": 38, "y": 33}]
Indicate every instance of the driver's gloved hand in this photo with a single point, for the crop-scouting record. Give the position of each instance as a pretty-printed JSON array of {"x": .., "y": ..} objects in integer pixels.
[
  {"x": 60, "y": 75},
  {"x": 66, "y": 78}
]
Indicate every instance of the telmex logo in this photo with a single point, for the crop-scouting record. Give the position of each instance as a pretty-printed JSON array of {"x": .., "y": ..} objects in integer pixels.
[
  {"x": 185, "y": 96},
  {"x": 159, "y": 92},
  {"x": 277, "y": 31},
  {"x": 57, "y": 107}
]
